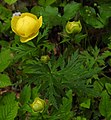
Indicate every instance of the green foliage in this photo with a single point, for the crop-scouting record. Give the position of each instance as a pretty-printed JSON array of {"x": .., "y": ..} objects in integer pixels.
[
  {"x": 51, "y": 14},
  {"x": 105, "y": 11},
  {"x": 97, "y": 86},
  {"x": 5, "y": 15},
  {"x": 68, "y": 75},
  {"x": 64, "y": 111},
  {"x": 86, "y": 103},
  {"x": 91, "y": 18},
  {"x": 108, "y": 87},
  {"x": 10, "y": 1},
  {"x": 93, "y": 57},
  {"x": 4, "y": 80},
  {"x": 80, "y": 118},
  {"x": 46, "y": 2},
  {"x": 75, "y": 81},
  {"x": 70, "y": 10},
  {"x": 25, "y": 94},
  {"x": 105, "y": 105},
  {"x": 5, "y": 59},
  {"x": 8, "y": 107},
  {"x": 23, "y": 50},
  {"x": 96, "y": 20}
]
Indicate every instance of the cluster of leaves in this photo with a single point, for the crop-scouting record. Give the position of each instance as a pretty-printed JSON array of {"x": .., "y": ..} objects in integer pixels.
[{"x": 75, "y": 82}]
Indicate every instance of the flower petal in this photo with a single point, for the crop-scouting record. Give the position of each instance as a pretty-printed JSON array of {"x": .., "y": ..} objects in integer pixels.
[
  {"x": 26, "y": 26},
  {"x": 26, "y": 39},
  {"x": 13, "y": 23},
  {"x": 40, "y": 21},
  {"x": 29, "y": 14}
]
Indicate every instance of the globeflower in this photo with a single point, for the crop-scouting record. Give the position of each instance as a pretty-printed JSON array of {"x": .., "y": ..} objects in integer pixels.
[
  {"x": 45, "y": 58},
  {"x": 73, "y": 27},
  {"x": 26, "y": 25},
  {"x": 38, "y": 105}
]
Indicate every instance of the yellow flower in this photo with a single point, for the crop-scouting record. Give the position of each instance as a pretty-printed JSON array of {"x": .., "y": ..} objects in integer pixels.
[
  {"x": 73, "y": 27},
  {"x": 26, "y": 26},
  {"x": 45, "y": 58},
  {"x": 38, "y": 105}
]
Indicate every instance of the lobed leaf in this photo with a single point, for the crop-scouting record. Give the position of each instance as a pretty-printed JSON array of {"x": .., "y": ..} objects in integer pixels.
[
  {"x": 105, "y": 105},
  {"x": 8, "y": 107},
  {"x": 4, "y": 81}
]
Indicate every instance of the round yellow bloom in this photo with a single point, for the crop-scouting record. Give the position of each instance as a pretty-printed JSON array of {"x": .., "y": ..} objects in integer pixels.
[
  {"x": 38, "y": 105},
  {"x": 45, "y": 58},
  {"x": 73, "y": 27},
  {"x": 26, "y": 26}
]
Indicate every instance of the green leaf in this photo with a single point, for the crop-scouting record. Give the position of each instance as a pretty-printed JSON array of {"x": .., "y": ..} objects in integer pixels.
[
  {"x": 8, "y": 107},
  {"x": 41, "y": 2},
  {"x": 52, "y": 98},
  {"x": 51, "y": 16},
  {"x": 86, "y": 103},
  {"x": 4, "y": 80},
  {"x": 105, "y": 105},
  {"x": 49, "y": 2},
  {"x": 74, "y": 70},
  {"x": 22, "y": 50},
  {"x": 70, "y": 10},
  {"x": 4, "y": 13},
  {"x": 65, "y": 108},
  {"x": 91, "y": 18},
  {"x": 64, "y": 112},
  {"x": 79, "y": 37},
  {"x": 37, "y": 10},
  {"x": 10, "y": 1},
  {"x": 34, "y": 92},
  {"x": 25, "y": 94},
  {"x": 46, "y": 2},
  {"x": 105, "y": 10},
  {"x": 108, "y": 87},
  {"x": 67, "y": 102},
  {"x": 98, "y": 87},
  {"x": 80, "y": 118},
  {"x": 5, "y": 59}
]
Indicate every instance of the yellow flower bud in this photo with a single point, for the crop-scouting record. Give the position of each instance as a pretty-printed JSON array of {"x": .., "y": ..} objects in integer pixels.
[
  {"x": 73, "y": 27},
  {"x": 38, "y": 105},
  {"x": 26, "y": 26},
  {"x": 45, "y": 58}
]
